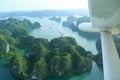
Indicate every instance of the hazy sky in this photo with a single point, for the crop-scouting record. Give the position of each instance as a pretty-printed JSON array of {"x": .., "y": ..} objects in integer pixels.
[{"x": 13, "y": 5}]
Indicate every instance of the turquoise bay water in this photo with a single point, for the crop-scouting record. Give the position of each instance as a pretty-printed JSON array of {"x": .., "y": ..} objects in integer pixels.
[
  {"x": 50, "y": 30},
  {"x": 4, "y": 70}
]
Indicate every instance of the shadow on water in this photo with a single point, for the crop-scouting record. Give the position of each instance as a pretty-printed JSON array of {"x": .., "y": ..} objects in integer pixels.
[
  {"x": 4, "y": 70},
  {"x": 96, "y": 72},
  {"x": 5, "y": 74}
]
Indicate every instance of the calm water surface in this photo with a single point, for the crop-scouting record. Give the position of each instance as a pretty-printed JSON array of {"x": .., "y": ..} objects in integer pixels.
[{"x": 50, "y": 30}]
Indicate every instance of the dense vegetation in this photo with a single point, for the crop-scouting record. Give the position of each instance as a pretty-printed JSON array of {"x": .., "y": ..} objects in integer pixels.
[
  {"x": 59, "y": 57},
  {"x": 11, "y": 33}
]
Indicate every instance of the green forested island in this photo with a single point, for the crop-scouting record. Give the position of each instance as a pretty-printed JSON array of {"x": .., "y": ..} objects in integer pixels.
[
  {"x": 60, "y": 57},
  {"x": 12, "y": 31}
]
